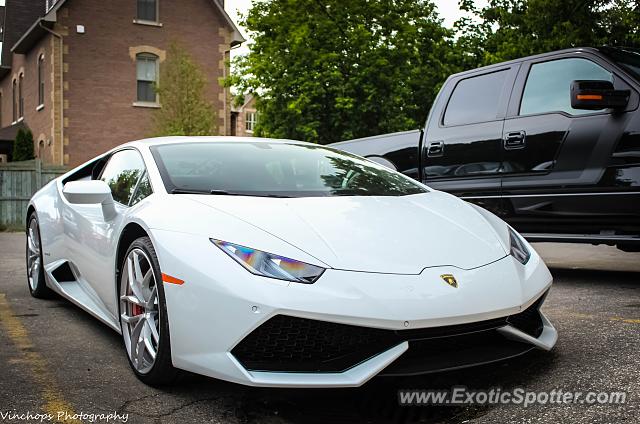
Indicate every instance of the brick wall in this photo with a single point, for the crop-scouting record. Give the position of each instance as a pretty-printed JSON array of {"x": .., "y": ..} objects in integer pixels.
[
  {"x": 100, "y": 72},
  {"x": 39, "y": 120},
  {"x": 92, "y": 109}
]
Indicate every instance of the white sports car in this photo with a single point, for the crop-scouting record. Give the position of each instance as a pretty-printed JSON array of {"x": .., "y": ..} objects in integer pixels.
[{"x": 282, "y": 263}]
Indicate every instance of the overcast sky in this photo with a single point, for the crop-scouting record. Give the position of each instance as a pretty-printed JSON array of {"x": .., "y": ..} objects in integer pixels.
[{"x": 447, "y": 9}]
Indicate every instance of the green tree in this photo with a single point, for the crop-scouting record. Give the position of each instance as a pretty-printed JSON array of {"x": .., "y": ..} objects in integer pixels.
[
  {"x": 23, "y": 145},
  {"x": 185, "y": 110},
  {"x": 330, "y": 70},
  {"x": 509, "y": 29}
]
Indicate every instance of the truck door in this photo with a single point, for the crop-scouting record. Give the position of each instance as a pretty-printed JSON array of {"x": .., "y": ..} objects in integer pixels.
[
  {"x": 554, "y": 155},
  {"x": 462, "y": 151}
]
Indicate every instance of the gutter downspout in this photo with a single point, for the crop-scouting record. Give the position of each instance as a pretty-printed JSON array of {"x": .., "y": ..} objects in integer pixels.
[
  {"x": 59, "y": 37},
  {"x": 4, "y": 20}
]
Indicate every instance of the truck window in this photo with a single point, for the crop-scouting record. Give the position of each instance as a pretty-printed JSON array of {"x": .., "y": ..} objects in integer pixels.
[
  {"x": 475, "y": 99},
  {"x": 548, "y": 85}
]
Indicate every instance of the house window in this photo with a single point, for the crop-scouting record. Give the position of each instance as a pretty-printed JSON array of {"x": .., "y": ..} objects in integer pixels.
[
  {"x": 250, "y": 121},
  {"x": 147, "y": 10},
  {"x": 20, "y": 96},
  {"x": 41, "y": 80},
  {"x": 147, "y": 76},
  {"x": 15, "y": 100}
]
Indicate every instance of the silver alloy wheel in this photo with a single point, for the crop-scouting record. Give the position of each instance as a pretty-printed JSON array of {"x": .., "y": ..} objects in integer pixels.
[
  {"x": 33, "y": 255},
  {"x": 140, "y": 319}
]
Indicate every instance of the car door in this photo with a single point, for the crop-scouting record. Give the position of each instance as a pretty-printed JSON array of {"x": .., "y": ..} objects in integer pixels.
[
  {"x": 554, "y": 155},
  {"x": 90, "y": 238},
  {"x": 462, "y": 151}
]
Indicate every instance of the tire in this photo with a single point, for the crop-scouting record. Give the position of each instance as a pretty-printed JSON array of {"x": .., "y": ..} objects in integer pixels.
[
  {"x": 35, "y": 269},
  {"x": 141, "y": 312}
]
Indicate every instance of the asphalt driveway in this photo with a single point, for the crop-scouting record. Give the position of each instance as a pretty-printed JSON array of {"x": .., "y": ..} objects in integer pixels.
[{"x": 55, "y": 357}]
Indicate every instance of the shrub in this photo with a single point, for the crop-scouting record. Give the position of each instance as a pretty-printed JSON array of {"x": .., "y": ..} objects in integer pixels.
[{"x": 23, "y": 145}]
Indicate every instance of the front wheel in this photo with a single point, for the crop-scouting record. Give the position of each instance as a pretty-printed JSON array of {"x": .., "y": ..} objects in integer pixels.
[
  {"x": 35, "y": 266},
  {"x": 143, "y": 315}
]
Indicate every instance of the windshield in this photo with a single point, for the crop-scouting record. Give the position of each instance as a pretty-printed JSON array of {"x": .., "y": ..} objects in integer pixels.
[
  {"x": 627, "y": 58},
  {"x": 274, "y": 169}
]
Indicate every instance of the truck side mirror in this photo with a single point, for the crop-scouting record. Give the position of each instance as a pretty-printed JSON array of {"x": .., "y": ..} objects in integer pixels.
[{"x": 597, "y": 94}]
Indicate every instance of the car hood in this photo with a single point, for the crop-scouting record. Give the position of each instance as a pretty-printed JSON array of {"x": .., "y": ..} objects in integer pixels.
[{"x": 384, "y": 234}]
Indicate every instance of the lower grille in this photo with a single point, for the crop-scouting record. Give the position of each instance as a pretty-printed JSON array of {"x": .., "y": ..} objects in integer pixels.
[
  {"x": 292, "y": 344},
  {"x": 529, "y": 320},
  {"x": 448, "y": 353},
  {"x": 286, "y": 343}
]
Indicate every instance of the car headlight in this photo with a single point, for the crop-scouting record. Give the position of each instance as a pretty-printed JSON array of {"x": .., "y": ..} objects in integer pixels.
[
  {"x": 519, "y": 249},
  {"x": 269, "y": 265}
]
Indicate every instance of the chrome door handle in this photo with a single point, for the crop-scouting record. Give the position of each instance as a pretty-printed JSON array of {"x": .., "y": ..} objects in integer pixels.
[
  {"x": 435, "y": 149},
  {"x": 515, "y": 140}
]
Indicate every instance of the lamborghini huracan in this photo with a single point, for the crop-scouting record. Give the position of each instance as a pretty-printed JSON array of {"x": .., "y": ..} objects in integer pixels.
[{"x": 281, "y": 263}]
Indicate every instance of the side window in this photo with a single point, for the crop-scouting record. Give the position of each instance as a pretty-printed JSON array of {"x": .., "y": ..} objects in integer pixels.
[
  {"x": 86, "y": 172},
  {"x": 475, "y": 99},
  {"x": 143, "y": 190},
  {"x": 549, "y": 83},
  {"x": 121, "y": 173}
]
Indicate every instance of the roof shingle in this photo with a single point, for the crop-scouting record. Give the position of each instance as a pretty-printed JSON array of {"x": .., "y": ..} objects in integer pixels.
[{"x": 18, "y": 17}]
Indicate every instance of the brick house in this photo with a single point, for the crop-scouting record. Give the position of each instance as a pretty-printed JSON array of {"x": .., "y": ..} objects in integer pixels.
[
  {"x": 244, "y": 117},
  {"x": 79, "y": 73}
]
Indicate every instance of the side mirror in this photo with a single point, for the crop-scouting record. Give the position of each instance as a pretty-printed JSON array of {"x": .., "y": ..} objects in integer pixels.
[
  {"x": 596, "y": 95},
  {"x": 90, "y": 193}
]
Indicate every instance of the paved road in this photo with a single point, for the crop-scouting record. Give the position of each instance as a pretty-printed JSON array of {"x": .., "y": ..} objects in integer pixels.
[{"x": 53, "y": 356}]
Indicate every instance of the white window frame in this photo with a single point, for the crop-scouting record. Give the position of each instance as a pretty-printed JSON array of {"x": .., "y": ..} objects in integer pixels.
[
  {"x": 251, "y": 119},
  {"x": 14, "y": 101},
  {"x": 41, "y": 83},
  {"x": 156, "y": 58},
  {"x": 21, "y": 97}
]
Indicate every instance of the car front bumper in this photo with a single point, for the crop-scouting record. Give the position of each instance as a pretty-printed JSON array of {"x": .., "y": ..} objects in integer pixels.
[{"x": 221, "y": 307}]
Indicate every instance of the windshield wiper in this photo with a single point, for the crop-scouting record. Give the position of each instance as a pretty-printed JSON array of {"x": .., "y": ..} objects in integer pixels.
[
  {"x": 223, "y": 193},
  {"x": 351, "y": 192},
  {"x": 187, "y": 191},
  {"x": 230, "y": 193}
]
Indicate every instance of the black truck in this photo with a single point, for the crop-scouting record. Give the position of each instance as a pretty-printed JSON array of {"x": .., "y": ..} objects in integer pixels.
[{"x": 550, "y": 143}]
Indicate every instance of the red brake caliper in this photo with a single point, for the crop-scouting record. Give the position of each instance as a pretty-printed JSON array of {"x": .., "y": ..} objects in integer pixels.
[{"x": 137, "y": 310}]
